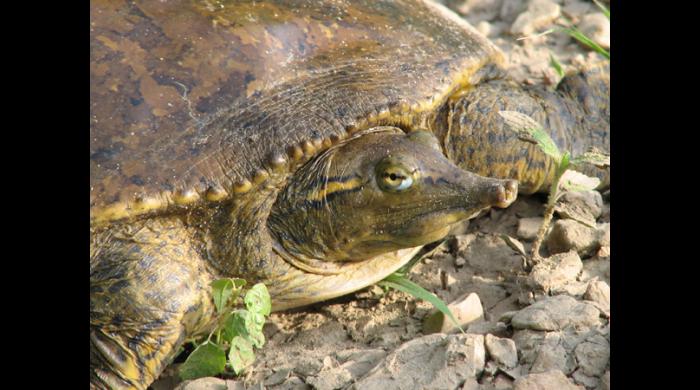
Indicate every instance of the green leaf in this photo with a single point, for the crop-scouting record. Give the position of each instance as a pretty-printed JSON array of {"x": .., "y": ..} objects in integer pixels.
[
  {"x": 225, "y": 289},
  {"x": 599, "y": 159},
  {"x": 603, "y": 8},
  {"x": 554, "y": 63},
  {"x": 577, "y": 181},
  {"x": 207, "y": 360},
  {"x": 529, "y": 130},
  {"x": 581, "y": 37},
  {"x": 235, "y": 325},
  {"x": 257, "y": 300},
  {"x": 241, "y": 354},
  {"x": 402, "y": 284}
]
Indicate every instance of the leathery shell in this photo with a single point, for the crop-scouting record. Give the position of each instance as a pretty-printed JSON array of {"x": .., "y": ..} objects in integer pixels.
[{"x": 192, "y": 98}]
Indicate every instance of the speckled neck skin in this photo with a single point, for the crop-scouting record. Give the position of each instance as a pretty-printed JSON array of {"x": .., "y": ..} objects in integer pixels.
[{"x": 576, "y": 114}]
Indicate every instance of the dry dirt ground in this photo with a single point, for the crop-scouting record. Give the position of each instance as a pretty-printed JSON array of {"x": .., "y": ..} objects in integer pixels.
[{"x": 545, "y": 328}]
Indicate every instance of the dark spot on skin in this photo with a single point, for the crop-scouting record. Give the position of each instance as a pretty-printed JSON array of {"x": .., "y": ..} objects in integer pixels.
[
  {"x": 444, "y": 66},
  {"x": 104, "y": 155},
  {"x": 341, "y": 111},
  {"x": 136, "y": 179},
  {"x": 492, "y": 138},
  {"x": 118, "y": 286}
]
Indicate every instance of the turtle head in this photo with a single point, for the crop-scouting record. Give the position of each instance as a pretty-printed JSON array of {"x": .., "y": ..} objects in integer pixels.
[{"x": 377, "y": 192}]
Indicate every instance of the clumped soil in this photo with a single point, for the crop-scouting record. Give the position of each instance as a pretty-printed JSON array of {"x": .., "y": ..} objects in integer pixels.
[{"x": 545, "y": 328}]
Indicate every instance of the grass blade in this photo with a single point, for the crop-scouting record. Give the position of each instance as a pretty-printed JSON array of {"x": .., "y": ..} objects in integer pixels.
[
  {"x": 603, "y": 9},
  {"x": 402, "y": 284},
  {"x": 581, "y": 37}
]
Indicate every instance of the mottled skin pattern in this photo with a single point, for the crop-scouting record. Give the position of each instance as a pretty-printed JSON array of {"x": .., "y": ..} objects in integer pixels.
[{"x": 210, "y": 120}]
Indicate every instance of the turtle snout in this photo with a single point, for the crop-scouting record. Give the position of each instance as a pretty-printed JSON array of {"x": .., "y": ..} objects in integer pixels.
[{"x": 502, "y": 193}]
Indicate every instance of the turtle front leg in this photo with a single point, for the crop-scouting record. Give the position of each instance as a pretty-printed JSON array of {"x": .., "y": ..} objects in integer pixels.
[
  {"x": 576, "y": 114},
  {"x": 149, "y": 292}
]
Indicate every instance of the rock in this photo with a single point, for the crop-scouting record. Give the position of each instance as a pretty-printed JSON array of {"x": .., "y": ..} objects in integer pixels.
[
  {"x": 604, "y": 234},
  {"x": 599, "y": 292},
  {"x": 593, "y": 356},
  {"x": 308, "y": 366},
  {"x": 552, "y": 355},
  {"x": 208, "y": 383},
  {"x": 528, "y": 343},
  {"x": 502, "y": 382},
  {"x": 502, "y": 351},
  {"x": 466, "y": 309},
  {"x": 528, "y": 227},
  {"x": 582, "y": 379},
  {"x": 550, "y": 380},
  {"x": 539, "y": 14},
  {"x": 567, "y": 234},
  {"x": 554, "y": 272},
  {"x": 582, "y": 206},
  {"x": 238, "y": 385},
  {"x": 510, "y": 9},
  {"x": 487, "y": 9},
  {"x": 470, "y": 384},
  {"x": 596, "y": 268},
  {"x": 550, "y": 358},
  {"x": 278, "y": 377},
  {"x": 434, "y": 361},
  {"x": 334, "y": 378},
  {"x": 605, "y": 381},
  {"x": 293, "y": 383},
  {"x": 359, "y": 362},
  {"x": 596, "y": 26},
  {"x": 556, "y": 313},
  {"x": 484, "y": 28}
]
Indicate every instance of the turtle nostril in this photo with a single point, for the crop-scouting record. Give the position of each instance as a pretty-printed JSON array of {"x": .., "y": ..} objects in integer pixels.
[{"x": 505, "y": 193}]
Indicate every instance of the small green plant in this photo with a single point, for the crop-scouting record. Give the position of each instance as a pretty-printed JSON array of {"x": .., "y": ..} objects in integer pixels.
[
  {"x": 237, "y": 330},
  {"x": 565, "y": 179}
]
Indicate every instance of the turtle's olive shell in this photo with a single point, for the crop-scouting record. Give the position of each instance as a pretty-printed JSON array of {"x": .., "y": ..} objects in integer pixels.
[{"x": 194, "y": 100}]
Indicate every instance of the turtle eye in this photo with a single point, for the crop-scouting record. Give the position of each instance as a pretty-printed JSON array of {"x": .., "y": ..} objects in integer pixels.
[{"x": 394, "y": 179}]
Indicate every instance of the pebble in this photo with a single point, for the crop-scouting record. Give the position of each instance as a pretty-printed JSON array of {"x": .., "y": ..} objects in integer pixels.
[
  {"x": 278, "y": 377},
  {"x": 596, "y": 268},
  {"x": 466, "y": 309},
  {"x": 567, "y": 234},
  {"x": 551, "y": 380},
  {"x": 599, "y": 292},
  {"x": 528, "y": 227},
  {"x": 554, "y": 272},
  {"x": 605, "y": 381},
  {"x": 510, "y": 9},
  {"x": 208, "y": 383},
  {"x": 582, "y": 206},
  {"x": 556, "y": 313},
  {"x": 596, "y": 26},
  {"x": 539, "y": 14},
  {"x": 603, "y": 232},
  {"x": 502, "y": 351},
  {"x": 593, "y": 356},
  {"x": 584, "y": 380},
  {"x": 434, "y": 361},
  {"x": 484, "y": 28},
  {"x": 470, "y": 384}
]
